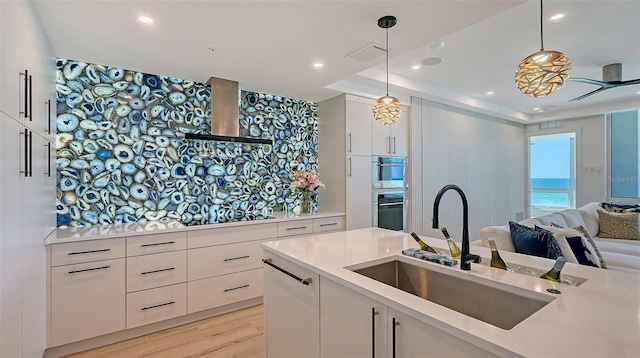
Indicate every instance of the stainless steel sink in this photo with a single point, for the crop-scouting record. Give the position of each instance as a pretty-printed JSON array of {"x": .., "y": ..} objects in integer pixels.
[{"x": 502, "y": 307}]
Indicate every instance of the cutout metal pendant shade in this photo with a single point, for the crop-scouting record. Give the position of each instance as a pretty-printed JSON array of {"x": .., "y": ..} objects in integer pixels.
[
  {"x": 387, "y": 109},
  {"x": 543, "y": 72}
]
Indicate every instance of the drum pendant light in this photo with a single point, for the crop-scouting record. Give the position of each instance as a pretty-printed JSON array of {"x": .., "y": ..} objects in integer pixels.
[
  {"x": 544, "y": 72},
  {"x": 387, "y": 109}
]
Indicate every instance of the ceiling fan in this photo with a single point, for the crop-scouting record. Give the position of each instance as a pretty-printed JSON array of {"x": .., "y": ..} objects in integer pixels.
[{"x": 611, "y": 78}]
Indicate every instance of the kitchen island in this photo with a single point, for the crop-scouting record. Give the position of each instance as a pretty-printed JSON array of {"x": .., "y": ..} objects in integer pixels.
[{"x": 343, "y": 313}]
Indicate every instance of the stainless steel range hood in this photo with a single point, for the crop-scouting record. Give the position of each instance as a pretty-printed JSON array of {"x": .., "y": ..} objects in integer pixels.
[{"x": 225, "y": 123}]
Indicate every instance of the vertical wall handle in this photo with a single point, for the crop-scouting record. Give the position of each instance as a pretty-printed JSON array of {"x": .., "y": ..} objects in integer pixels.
[
  {"x": 389, "y": 144},
  {"x": 30, "y": 99},
  {"x": 394, "y": 323},
  {"x": 48, "y": 154},
  {"x": 349, "y": 137},
  {"x": 30, "y": 153},
  {"x": 374, "y": 313},
  {"x": 394, "y": 145},
  {"x": 48, "y": 116},
  {"x": 25, "y": 111},
  {"x": 26, "y": 154},
  {"x": 349, "y": 167}
]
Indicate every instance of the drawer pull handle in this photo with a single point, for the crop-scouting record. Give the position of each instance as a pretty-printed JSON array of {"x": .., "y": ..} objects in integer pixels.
[
  {"x": 236, "y": 288},
  {"x": 305, "y": 281},
  {"x": 156, "y": 271},
  {"x": 91, "y": 269},
  {"x": 159, "y": 243},
  {"x": 88, "y": 252},
  {"x": 321, "y": 225},
  {"x": 237, "y": 258},
  {"x": 156, "y": 306},
  {"x": 296, "y": 228}
]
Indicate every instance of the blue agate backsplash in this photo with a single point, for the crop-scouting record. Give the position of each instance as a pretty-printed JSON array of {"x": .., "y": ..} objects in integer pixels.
[{"x": 122, "y": 156}]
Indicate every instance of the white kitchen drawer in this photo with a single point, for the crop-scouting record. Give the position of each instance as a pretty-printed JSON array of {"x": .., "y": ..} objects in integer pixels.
[
  {"x": 87, "y": 300},
  {"x": 228, "y": 235},
  {"x": 222, "y": 290},
  {"x": 220, "y": 260},
  {"x": 297, "y": 227},
  {"x": 151, "y": 244},
  {"x": 87, "y": 251},
  {"x": 335, "y": 223},
  {"x": 157, "y": 270},
  {"x": 156, "y": 305}
]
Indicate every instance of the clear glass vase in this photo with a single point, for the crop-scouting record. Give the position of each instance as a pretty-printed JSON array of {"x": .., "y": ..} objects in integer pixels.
[{"x": 305, "y": 206}]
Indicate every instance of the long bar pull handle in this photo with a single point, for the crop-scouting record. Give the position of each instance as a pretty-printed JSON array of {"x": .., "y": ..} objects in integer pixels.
[
  {"x": 48, "y": 116},
  {"x": 156, "y": 271},
  {"x": 30, "y": 153},
  {"x": 30, "y": 99},
  {"x": 236, "y": 288},
  {"x": 349, "y": 136},
  {"x": 349, "y": 166},
  {"x": 156, "y": 306},
  {"x": 296, "y": 228},
  {"x": 26, "y": 154},
  {"x": 389, "y": 144},
  {"x": 237, "y": 258},
  {"x": 394, "y": 145},
  {"x": 159, "y": 243},
  {"x": 48, "y": 153},
  {"x": 305, "y": 281},
  {"x": 331, "y": 224},
  {"x": 374, "y": 313},
  {"x": 26, "y": 93},
  {"x": 88, "y": 252},
  {"x": 394, "y": 323},
  {"x": 91, "y": 269}
]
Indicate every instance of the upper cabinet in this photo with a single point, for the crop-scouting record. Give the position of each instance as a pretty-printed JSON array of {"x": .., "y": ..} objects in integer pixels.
[
  {"x": 27, "y": 69},
  {"x": 358, "y": 123},
  {"x": 392, "y": 140}
]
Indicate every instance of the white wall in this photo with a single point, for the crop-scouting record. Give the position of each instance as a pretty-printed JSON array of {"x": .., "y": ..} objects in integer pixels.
[
  {"x": 483, "y": 155},
  {"x": 591, "y": 154}
]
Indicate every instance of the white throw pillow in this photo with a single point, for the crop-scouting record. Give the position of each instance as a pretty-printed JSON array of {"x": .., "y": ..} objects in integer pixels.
[{"x": 563, "y": 243}]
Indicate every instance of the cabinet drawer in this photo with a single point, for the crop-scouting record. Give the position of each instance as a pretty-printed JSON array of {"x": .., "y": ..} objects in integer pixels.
[
  {"x": 87, "y": 300},
  {"x": 298, "y": 227},
  {"x": 156, "y": 305},
  {"x": 151, "y": 244},
  {"x": 335, "y": 223},
  {"x": 220, "y": 260},
  {"x": 151, "y": 271},
  {"x": 228, "y": 235},
  {"x": 87, "y": 251},
  {"x": 222, "y": 290}
]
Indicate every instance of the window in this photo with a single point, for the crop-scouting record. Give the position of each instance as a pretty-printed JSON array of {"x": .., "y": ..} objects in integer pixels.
[{"x": 624, "y": 156}]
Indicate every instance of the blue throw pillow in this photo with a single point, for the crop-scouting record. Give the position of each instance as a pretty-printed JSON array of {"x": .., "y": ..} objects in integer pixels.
[
  {"x": 533, "y": 242},
  {"x": 583, "y": 255}
]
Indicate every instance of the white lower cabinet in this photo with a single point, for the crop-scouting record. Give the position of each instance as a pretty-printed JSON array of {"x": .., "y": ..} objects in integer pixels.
[
  {"x": 87, "y": 300},
  {"x": 291, "y": 319},
  {"x": 362, "y": 323},
  {"x": 222, "y": 290},
  {"x": 157, "y": 304},
  {"x": 156, "y": 270}
]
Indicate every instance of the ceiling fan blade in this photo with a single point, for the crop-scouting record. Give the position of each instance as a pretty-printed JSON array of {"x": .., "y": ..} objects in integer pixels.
[
  {"x": 589, "y": 81},
  {"x": 589, "y": 94},
  {"x": 629, "y": 82}
]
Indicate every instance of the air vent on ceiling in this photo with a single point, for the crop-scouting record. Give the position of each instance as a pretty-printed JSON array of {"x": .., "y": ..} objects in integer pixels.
[
  {"x": 551, "y": 124},
  {"x": 367, "y": 53}
]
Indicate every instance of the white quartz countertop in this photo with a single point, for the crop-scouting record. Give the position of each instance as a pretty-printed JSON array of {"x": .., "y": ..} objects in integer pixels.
[
  {"x": 97, "y": 232},
  {"x": 600, "y": 318}
]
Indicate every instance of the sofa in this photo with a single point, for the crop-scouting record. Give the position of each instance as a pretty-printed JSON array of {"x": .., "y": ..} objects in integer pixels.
[{"x": 617, "y": 254}]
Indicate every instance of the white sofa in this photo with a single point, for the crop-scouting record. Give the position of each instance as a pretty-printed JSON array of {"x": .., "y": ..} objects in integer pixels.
[{"x": 619, "y": 255}]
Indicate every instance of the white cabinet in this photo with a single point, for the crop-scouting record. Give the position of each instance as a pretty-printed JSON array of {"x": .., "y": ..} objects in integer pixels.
[
  {"x": 362, "y": 322},
  {"x": 333, "y": 223},
  {"x": 87, "y": 300},
  {"x": 391, "y": 140},
  {"x": 291, "y": 316},
  {"x": 27, "y": 216},
  {"x": 359, "y": 192},
  {"x": 358, "y": 117},
  {"x": 295, "y": 228},
  {"x": 158, "y": 304}
]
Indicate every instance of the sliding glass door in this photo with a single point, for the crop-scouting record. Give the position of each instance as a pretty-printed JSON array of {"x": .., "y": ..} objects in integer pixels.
[{"x": 552, "y": 173}]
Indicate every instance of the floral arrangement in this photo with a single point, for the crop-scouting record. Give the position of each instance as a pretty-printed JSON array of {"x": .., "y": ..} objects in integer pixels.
[{"x": 306, "y": 181}]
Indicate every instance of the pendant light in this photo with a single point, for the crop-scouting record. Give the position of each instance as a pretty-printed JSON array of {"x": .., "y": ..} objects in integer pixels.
[
  {"x": 387, "y": 109},
  {"x": 544, "y": 72}
]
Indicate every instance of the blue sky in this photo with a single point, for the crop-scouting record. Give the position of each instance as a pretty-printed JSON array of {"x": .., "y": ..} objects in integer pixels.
[{"x": 550, "y": 158}]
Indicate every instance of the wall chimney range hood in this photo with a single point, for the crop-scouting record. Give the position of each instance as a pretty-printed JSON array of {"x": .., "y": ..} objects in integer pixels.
[{"x": 225, "y": 123}]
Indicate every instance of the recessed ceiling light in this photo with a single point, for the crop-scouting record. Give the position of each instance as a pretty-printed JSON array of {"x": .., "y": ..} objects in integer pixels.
[
  {"x": 638, "y": 92},
  {"x": 536, "y": 109},
  {"x": 436, "y": 45},
  {"x": 490, "y": 92},
  {"x": 416, "y": 67},
  {"x": 542, "y": 110},
  {"x": 557, "y": 16},
  {"x": 318, "y": 65},
  {"x": 145, "y": 19},
  {"x": 431, "y": 61}
]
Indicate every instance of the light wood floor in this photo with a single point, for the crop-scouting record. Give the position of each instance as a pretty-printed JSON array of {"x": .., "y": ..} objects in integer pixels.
[{"x": 235, "y": 334}]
